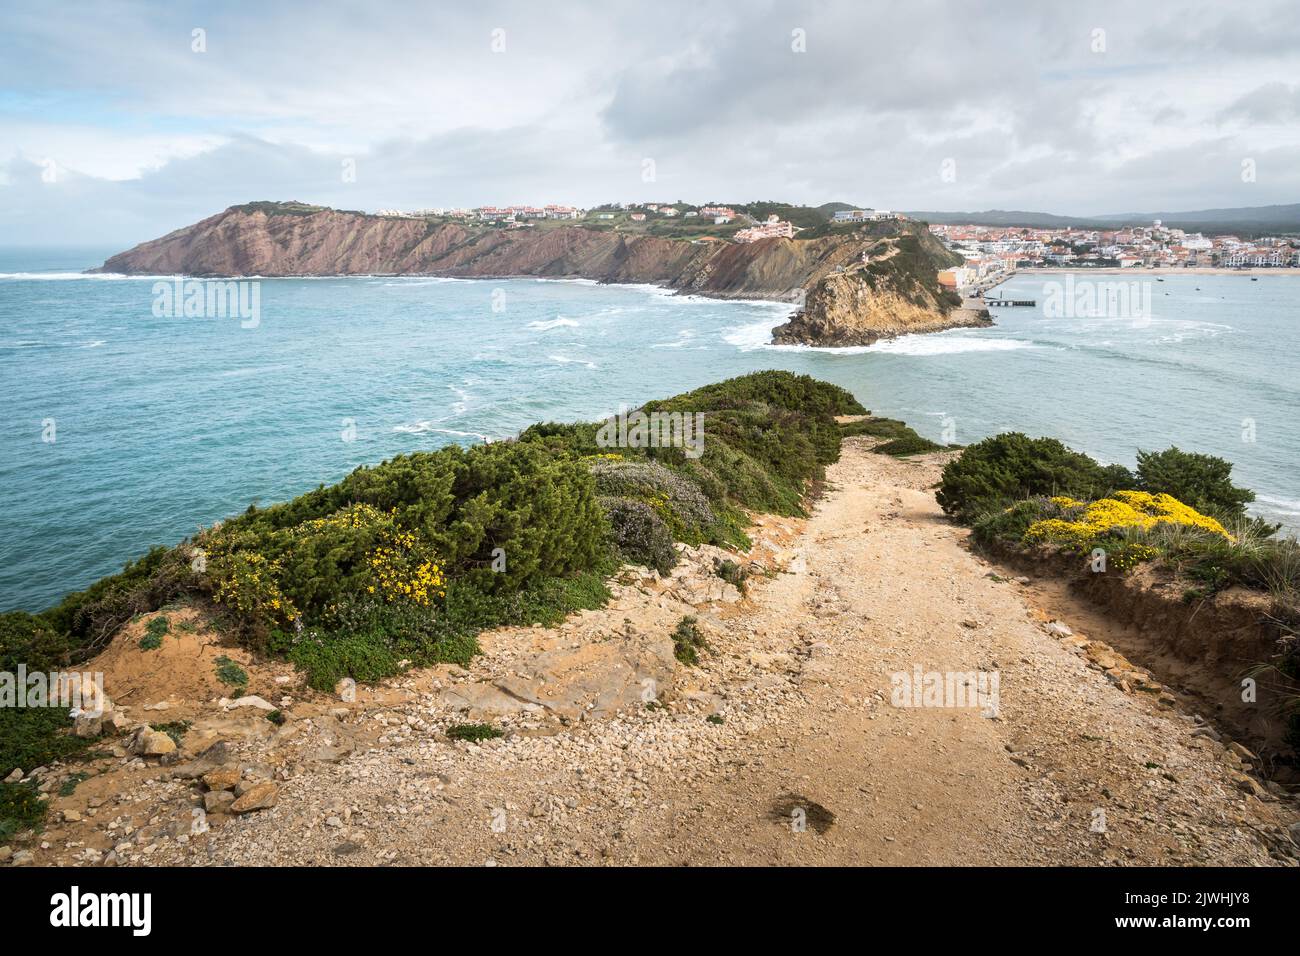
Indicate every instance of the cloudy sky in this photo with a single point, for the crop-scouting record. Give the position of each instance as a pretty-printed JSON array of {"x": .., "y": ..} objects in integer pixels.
[{"x": 118, "y": 122}]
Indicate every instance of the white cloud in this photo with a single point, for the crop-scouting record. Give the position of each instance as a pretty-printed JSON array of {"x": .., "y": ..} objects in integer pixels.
[{"x": 151, "y": 135}]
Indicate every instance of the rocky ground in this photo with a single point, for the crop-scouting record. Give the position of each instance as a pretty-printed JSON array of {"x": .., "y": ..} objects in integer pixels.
[{"x": 783, "y": 746}]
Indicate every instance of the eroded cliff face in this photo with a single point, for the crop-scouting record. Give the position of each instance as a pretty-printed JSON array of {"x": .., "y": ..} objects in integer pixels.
[
  {"x": 244, "y": 241},
  {"x": 847, "y": 302},
  {"x": 895, "y": 293}
]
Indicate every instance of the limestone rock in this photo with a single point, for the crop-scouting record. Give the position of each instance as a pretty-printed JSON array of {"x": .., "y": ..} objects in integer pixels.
[
  {"x": 216, "y": 756},
  {"x": 223, "y": 779},
  {"x": 218, "y": 801},
  {"x": 88, "y": 726},
  {"x": 148, "y": 742},
  {"x": 260, "y": 796},
  {"x": 346, "y": 690},
  {"x": 251, "y": 700}
]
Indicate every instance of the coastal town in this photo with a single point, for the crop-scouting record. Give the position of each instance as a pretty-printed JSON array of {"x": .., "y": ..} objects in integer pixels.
[
  {"x": 713, "y": 222},
  {"x": 991, "y": 250}
]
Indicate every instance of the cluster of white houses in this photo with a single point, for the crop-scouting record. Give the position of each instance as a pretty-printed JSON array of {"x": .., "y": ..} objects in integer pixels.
[
  {"x": 773, "y": 227},
  {"x": 865, "y": 215},
  {"x": 1156, "y": 246},
  {"x": 491, "y": 213}
]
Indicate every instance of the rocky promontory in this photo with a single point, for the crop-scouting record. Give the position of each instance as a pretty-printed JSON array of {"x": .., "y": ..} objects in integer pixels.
[
  {"x": 856, "y": 284},
  {"x": 893, "y": 291}
]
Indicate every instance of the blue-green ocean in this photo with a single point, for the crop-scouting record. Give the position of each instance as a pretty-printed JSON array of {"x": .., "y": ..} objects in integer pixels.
[{"x": 160, "y": 425}]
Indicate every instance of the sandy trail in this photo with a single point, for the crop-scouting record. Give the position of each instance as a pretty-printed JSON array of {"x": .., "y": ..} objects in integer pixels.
[
  {"x": 890, "y": 587},
  {"x": 1070, "y": 771}
]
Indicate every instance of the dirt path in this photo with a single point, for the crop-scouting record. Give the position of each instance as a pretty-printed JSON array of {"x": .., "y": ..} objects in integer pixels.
[{"x": 1071, "y": 770}]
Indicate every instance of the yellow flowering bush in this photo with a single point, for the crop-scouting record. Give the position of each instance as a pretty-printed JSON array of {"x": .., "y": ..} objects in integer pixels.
[
  {"x": 247, "y": 582},
  {"x": 302, "y": 572},
  {"x": 1130, "y": 555},
  {"x": 1124, "y": 510},
  {"x": 403, "y": 572}
]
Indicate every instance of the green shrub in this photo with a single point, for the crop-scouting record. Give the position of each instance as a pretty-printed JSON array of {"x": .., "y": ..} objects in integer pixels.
[
  {"x": 1008, "y": 524},
  {"x": 1201, "y": 481},
  {"x": 731, "y": 572},
  {"x": 997, "y": 471},
  {"x": 153, "y": 634},
  {"x": 688, "y": 641},
  {"x": 34, "y": 737},
  {"x": 639, "y": 534},
  {"x": 888, "y": 428},
  {"x": 31, "y": 640},
  {"x": 676, "y": 498},
  {"x": 766, "y": 436},
  {"x": 366, "y": 640},
  {"x": 474, "y": 733},
  {"x": 21, "y": 808},
  {"x": 70, "y": 783},
  {"x": 231, "y": 674},
  {"x": 907, "y": 445}
]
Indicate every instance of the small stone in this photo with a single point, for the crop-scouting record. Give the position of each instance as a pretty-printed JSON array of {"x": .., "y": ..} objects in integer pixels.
[
  {"x": 86, "y": 726},
  {"x": 152, "y": 743},
  {"x": 257, "y": 797},
  {"x": 1242, "y": 752},
  {"x": 15, "y": 776},
  {"x": 23, "y": 858},
  {"x": 72, "y": 816},
  {"x": 6, "y": 852},
  {"x": 218, "y": 801},
  {"x": 1057, "y": 629},
  {"x": 251, "y": 700},
  {"x": 1249, "y": 784},
  {"x": 227, "y": 778},
  {"x": 346, "y": 690}
]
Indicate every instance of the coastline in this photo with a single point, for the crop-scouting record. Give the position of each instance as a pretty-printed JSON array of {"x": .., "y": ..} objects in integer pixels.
[{"x": 757, "y": 299}]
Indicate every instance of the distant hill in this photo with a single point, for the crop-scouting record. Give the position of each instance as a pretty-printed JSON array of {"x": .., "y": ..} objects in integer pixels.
[{"x": 1243, "y": 219}]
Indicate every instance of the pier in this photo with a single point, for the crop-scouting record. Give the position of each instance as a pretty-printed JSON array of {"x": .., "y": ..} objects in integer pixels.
[{"x": 1008, "y": 302}]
